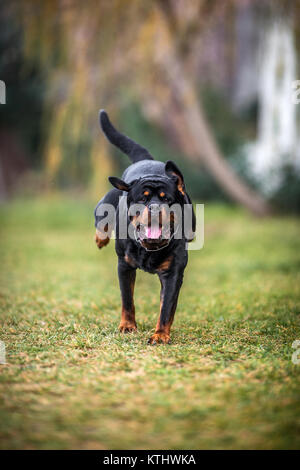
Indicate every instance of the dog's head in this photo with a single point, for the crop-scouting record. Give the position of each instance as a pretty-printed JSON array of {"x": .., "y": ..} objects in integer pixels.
[{"x": 155, "y": 205}]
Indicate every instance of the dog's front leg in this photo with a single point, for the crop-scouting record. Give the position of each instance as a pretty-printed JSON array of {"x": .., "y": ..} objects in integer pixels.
[
  {"x": 127, "y": 276},
  {"x": 170, "y": 287}
]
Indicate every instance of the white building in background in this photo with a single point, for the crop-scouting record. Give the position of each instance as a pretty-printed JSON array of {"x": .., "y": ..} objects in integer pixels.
[
  {"x": 263, "y": 70},
  {"x": 278, "y": 132}
]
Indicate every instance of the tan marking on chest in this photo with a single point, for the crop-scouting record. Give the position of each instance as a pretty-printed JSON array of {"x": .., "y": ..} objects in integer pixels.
[
  {"x": 165, "y": 265},
  {"x": 129, "y": 261}
]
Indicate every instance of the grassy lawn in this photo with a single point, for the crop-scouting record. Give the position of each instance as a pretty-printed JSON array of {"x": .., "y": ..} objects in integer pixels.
[{"x": 72, "y": 381}]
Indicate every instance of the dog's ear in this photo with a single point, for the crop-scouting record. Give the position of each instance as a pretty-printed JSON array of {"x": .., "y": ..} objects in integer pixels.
[
  {"x": 173, "y": 171},
  {"x": 118, "y": 183}
]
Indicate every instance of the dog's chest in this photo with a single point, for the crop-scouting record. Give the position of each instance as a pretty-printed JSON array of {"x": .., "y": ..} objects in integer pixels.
[{"x": 145, "y": 260}]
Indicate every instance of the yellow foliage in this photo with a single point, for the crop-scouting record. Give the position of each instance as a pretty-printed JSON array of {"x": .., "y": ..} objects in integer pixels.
[
  {"x": 102, "y": 167},
  {"x": 53, "y": 160}
]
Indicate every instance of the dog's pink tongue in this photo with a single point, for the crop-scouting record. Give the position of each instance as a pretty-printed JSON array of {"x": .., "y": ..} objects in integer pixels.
[{"x": 153, "y": 232}]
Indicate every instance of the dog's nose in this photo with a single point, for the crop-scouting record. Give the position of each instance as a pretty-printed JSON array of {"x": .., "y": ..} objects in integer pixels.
[{"x": 154, "y": 208}]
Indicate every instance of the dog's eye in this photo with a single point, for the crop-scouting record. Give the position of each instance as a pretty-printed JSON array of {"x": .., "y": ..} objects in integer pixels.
[
  {"x": 164, "y": 198},
  {"x": 144, "y": 196}
]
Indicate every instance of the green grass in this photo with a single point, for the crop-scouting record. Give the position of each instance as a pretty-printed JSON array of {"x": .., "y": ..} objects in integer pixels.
[{"x": 72, "y": 381}]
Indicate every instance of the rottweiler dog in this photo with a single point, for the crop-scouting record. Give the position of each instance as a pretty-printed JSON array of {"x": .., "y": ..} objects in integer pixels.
[{"x": 158, "y": 238}]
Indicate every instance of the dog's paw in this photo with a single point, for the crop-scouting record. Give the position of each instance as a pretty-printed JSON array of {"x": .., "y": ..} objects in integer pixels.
[
  {"x": 127, "y": 327},
  {"x": 100, "y": 241},
  {"x": 159, "y": 338}
]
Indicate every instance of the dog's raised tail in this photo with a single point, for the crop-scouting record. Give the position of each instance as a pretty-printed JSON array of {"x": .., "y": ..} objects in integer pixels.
[{"x": 134, "y": 151}]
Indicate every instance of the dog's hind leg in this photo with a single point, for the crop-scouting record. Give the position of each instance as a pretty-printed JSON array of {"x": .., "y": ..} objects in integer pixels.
[{"x": 105, "y": 217}]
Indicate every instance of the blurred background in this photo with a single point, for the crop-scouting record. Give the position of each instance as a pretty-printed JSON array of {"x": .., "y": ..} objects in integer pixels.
[
  {"x": 208, "y": 84},
  {"x": 205, "y": 83}
]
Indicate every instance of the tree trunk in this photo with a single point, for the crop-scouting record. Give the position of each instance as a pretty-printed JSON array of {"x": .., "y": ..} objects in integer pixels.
[{"x": 204, "y": 144}]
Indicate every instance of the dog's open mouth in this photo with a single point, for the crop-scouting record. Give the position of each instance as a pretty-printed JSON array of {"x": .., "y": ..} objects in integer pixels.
[
  {"x": 150, "y": 233},
  {"x": 153, "y": 236},
  {"x": 153, "y": 233}
]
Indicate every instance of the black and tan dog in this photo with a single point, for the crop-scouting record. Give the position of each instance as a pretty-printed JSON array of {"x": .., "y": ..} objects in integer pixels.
[{"x": 154, "y": 248}]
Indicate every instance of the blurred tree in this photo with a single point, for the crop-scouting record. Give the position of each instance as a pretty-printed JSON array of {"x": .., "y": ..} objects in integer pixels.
[
  {"x": 20, "y": 139},
  {"x": 171, "y": 34},
  {"x": 106, "y": 53}
]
